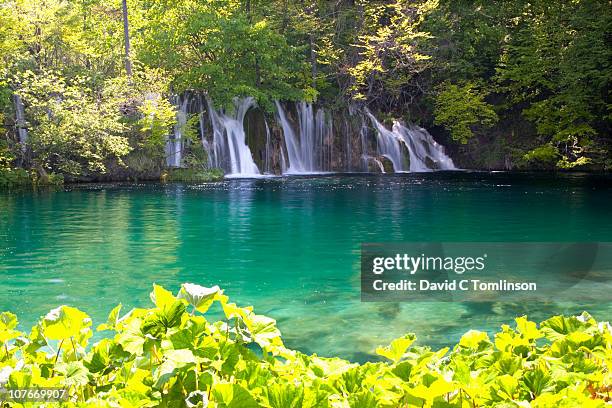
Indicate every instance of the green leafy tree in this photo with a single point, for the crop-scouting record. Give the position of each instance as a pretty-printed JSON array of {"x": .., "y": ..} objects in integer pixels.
[
  {"x": 460, "y": 107},
  {"x": 74, "y": 131},
  {"x": 218, "y": 48},
  {"x": 390, "y": 59},
  {"x": 556, "y": 61}
]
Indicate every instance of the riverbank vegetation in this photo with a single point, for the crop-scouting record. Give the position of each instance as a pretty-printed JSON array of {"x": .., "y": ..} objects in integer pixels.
[
  {"x": 176, "y": 355},
  {"x": 86, "y": 87},
  {"x": 19, "y": 178}
]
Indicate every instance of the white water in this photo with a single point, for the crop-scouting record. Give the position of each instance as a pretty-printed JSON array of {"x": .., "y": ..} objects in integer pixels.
[
  {"x": 174, "y": 143},
  {"x": 230, "y": 150},
  {"x": 389, "y": 144},
  {"x": 366, "y": 159},
  {"x": 310, "y": 150},
  {"x": 423, "y": 151},
  {"x": 422, "y": 147},
  {"x": 202, "y": 123},
  {"x": 363, "y": 141},
  {"x": 20, "y": 122},
  {"x": 268, "y": 159}
]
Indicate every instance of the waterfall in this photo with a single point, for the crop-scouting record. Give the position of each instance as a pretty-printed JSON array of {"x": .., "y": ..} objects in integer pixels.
[
  {"x": 347, "y": 146},
  {"x": 20, "y": 121},
  {"x": 291, "y": 143},
  {"x": 174, "y": 143},
  {"x": 268, "y": 161},
  {"x": 363, "y": 140},
  {"x": 307, "y": 152},
  {"x": 325, "y": 134},
  {"x": 423, "y": 151},
  {"x": 363, "y": 137},
  {"x": 202, "y": 122},
  {"x": 309, "y": 140},
  {"x": 230, "y": 150},
  {"x": 367, "y": 158},
  {"x": 389, "y": 144},
  {"x": 283, "y": 161}
]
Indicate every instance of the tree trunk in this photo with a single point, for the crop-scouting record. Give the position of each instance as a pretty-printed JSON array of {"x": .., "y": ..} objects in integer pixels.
[
  {"x": 126, "y": 36},
  {"x": 313, "y": 61}
]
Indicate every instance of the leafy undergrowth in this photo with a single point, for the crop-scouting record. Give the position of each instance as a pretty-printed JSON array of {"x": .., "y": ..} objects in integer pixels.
[
  {"x": 172, "y": 356},
  {"x": 20, "y": 178}
]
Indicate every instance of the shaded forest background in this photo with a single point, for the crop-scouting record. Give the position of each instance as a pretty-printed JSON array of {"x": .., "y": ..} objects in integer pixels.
[{"x": 512, "y": 84}]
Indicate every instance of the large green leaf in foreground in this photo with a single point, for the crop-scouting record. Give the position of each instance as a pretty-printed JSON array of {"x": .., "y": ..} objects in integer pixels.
[{"x": 172, "y": 356}]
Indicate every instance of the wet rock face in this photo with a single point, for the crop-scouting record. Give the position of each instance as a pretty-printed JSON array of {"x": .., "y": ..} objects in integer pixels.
[
  {"x": 374, "y": 165},
  {"x": 432, "y": 164},
  {"x": 386, "y": 163},
  {"x": 277, "y": 150},
  {"x": 256, "y": 136},
  {"x": 405, "y": 156}
]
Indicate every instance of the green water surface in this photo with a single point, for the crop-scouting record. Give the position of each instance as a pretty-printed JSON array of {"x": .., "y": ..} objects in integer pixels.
[{"x": 288, "y": 246}]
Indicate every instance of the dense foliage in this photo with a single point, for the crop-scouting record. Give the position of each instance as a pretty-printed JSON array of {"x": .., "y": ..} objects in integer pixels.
[
  {"x": 175, "y": 355},
  {"x": 96, "y": 91}
]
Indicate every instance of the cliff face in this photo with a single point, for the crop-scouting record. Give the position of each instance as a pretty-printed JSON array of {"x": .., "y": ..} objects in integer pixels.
[{"x": 501, "y": 147}]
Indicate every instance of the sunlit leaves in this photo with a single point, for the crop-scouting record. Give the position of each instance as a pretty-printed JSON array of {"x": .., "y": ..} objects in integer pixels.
[
  {"x": 233, "y": 396},
  {"x": 221, "y": 48},
  {"x": 264, "y": 330},
  {"x": 459, "y": 107},
  {"x": 558, "y": 327},
  {"x": 64, "y": 322},
  {"x": 8, "y": 322},
  {"x": 166, "y": 356},
  {"x": 113, "y": 319},
  {"x": 529, "y": 330},
  {"x": 161, "y": 297},
  {"x": 507, "y": 386},
  {"x": 75, "y": 374},
  {"x": 130, "y": 338},
  {"x": 473, "y": 338},
  {"x": 285, "y": 396},
  {"x": 389, "y": 57},
  {"x": 72, "y": 131},
  {"x": 395, "y": 351},
  {"x": 198, "y": 296}
]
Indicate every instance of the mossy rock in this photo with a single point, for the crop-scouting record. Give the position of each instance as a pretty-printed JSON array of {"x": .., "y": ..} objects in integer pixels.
[{"x": 387, "y": 164}]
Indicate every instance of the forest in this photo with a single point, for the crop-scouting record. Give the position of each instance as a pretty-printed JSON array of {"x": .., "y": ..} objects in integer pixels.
[{"x": 88, "y": 87}]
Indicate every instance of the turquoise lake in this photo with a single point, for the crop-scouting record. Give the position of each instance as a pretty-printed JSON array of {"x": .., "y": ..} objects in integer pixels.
[{"x": 288, "y": 246}]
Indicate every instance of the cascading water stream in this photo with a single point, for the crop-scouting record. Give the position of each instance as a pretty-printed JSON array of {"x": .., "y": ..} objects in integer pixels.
[
  {"x": 423, "y": 151},
  {"x": 174, "y": 144},
  {"x": 367, "y": 159},
  {"x": 230, "y": 150},
  {"x": 308, "y": 151},
  {"x": 20, "y": 121},
  {"x": 291, "y": 143},
  {"x": 268, "y": 160},
  {"x": 389, "y": 144},
  {"x": 202, "y": 123}
]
